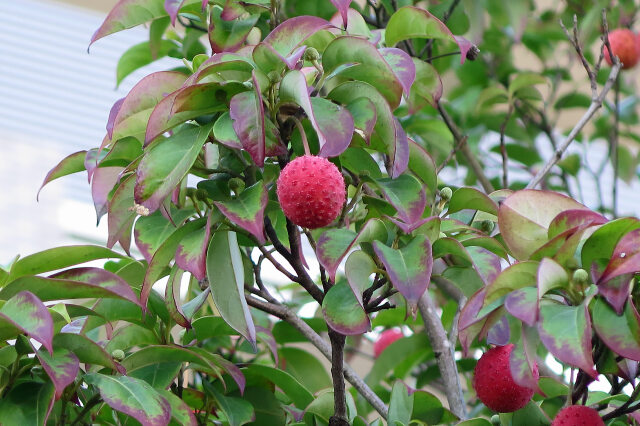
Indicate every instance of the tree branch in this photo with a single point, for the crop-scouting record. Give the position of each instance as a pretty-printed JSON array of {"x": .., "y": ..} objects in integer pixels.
[
  {"x": 352, "y": 377},
  {"x": 339, "y": 417},
  {"x": 444, "y": 355}
]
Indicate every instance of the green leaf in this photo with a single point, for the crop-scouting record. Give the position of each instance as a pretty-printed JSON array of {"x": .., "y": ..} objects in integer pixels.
[
  {"x": 428, "y": 408},
  {"x": 471, "y": 198},
  {"x": 566, "y": 333},
  {"x": 426, "y": 89},
  {"x": 401, "y": 404},
  {"x": 525, "y": 80},
  {"x": 516, "y": 276},
  {"x": 409, "y": 268},
  {"x": 475, "y": 422},
  {"x": 406, "y": 195},
  {"x": 621, "y": 333},
  {"x": 72, "y": 163},
  {"x": 166, "y": 163},
  {"x": 86, "y": 350},
  {"x": 247, "y": 210},
  {"x": 293, "y": 32},
  {"x": 28, "y": 403},
  {"x": 237, "y": 411},
  {"x": 305, "y": 367},
  {"x": 133, "y": 397},
  {"x": 601, "y": 244},
  {"x": 151, "y": 231},
  {"x": 334, "y": 244},
  {"x": 26, "y": 312},
  {"x": 573, "y": 100},
  {"x": 59, "y": 258},
  {"x": 226, "y": 280},
  {"x": 228, "y": 35},
  {"x": 343, "y": 312},
  {"x": 571, "y": 164},
  {"x": 300, "y": 396},
  {"x": 358, "y": 268},
  {"x": 423, "y": 166},
  {"x": 121, "y": 214},
  {"x": 180, "y": 411},
  {"x": 192, "y": 250},
  {"x": 140, "y": 55}
]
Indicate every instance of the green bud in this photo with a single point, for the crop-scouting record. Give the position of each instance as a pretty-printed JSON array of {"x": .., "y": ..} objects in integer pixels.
[
  {"x": 311, "y": 54},
  {"x": 347, "y": 179},
  {"x": 580, "y": 276},
  {"x": 442, "y": 235},
  {"x": 274, "y": 76},
  {"x": 364, "y": 174},
  {"x": 446, "y": 193},
  {"x": 495, "y": 419},
  {"x": 236, "y": 185},
  {"x": 118, "y": 354},
  {"x": 191, "y": 192},
  {"x": 487, "y": 226},
  {"x": 202, "y": 194}
]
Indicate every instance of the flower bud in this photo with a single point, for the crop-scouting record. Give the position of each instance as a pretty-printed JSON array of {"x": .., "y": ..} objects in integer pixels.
[
  {"x": 118, "y": 354},
  {"x": 446, "y": 193}
]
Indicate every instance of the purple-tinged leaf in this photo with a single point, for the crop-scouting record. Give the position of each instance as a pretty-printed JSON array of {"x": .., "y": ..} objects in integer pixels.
[
  {"x": 333, "y": 123},
  {"x": 300, "y": 395},
  {"x": 356, "y": 25},
  {"x": 73, "y": 163},
  {"x": 413, "y": 22},
  {"x": 113, "y": 113},
  {"x": 133, "y": 397},
  {"x": 566, "y": 332},
  {"x": 427, "y": 87},
  {"x": 128, "y": 14},
  {"x": 166, "y": 163},
  {"x": 225, "y": 271},
  {"x": 247, "y": 112},
  {"x": 121, "y": 211},
  {"x": 231, "y": 10},
  {"x": 192, "y": 251},
  {"x": 402, "y": 66},
  {"x": 486, "y": 263},
  {"x": 522, "y": 364},
  {"x": 268, "y": 59},
  {"x": 358, "y": 268},
  {"x": 155, "y": 354},
  {"x": 180, "y": 411},
  {"x": 550, "y": 275},
  {"x": 104, "y": 179},
  {"x": 422, "y": 165},
  {"x": 293, "y": 32},
  {"x": 163, "y": 256},
  {"x": 335, "y": 243},
  {"x": 523, "y": 304},
  {"x": 87, "y": 351},
  {"x": 230, "y": 368},
  {"x": 26, "y": 312},
  {"x": 570, "y": 219},
  {"x": 188, "y": 103},
  {"x": 151, "y": 231},
  {"x": 409, "y": 268},
  {"x": 562, "y": 248},
  {"x": 226, "y": 35},
  {"x": 389, "y": 136},
  {"x": 447, "y": 246},
  {"x": 524, "y": 225},
  {"x": 491, "y": 244},
  {"x": 616, "y": 291},
  {"x": 625, "y": 258},
  {"x": 62, "y": 368},
  {"x": 141, "y": 100},
  {"x": 247, "y": 210},
  {"x": 227, "y": 66},
  {"x": 499, "y": 333},
  {"x": 598, "y": 249},
  {"x": 343, "y": 8},
  {"x": 365, "y": 63},
  {"x": 516, "y": 276},
  {"x": 364, "y": 116},
  {"x": 469, "y": 324},
  {"x": 100, "y": 278},
  {"x": 406, "y": 195},
  {"x": 471, "y": 198},
  {"x": 265, "y": 336},
  {"x": 621, "y": 333},
  {"x": 173, "y": 7},
  {"x": 93, "y": 157},
  {"x": 172, "y": 297}
]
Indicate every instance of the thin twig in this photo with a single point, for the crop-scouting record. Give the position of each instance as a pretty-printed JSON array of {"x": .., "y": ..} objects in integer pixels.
[
  {"x": 596, "y": 101},
  {"x": 614, "y": 146},
  {"x": 503, "y": 147},
  {"x": 352, "y": 377},
  {"x": 296, "y": 262}
]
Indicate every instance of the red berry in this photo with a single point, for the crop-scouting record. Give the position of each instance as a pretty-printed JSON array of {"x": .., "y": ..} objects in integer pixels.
[
  {"x": 386, "y": 338},
  {"x": 494, "y": 384},
  {"x": 311, "y": 191},
  {"x": 625, "y": 46},
  {"x": 577, "y": 415}
]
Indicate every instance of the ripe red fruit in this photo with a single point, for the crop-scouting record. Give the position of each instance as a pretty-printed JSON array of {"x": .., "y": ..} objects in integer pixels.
[
  {"x": 311, "y": 191},
  {"x": 577, "y": 415},
  {"x": 386, "y": 338},
  {"x": 625, "y": 45},
  {"x": 494, "y": 384}
]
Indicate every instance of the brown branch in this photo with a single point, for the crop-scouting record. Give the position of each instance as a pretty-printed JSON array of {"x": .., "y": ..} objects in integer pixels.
[
  {"x": 444, "y": 354},
  {"x": 296, "y": 262},
  {"x": 314, "y": 338},
  {"x": 339, "y": 417}
]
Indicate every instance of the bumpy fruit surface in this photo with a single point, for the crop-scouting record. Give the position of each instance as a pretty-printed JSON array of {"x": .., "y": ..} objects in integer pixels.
[
  {"x": 577, "y": 415},
  {"x": 625, "y": 45},
  {"x": 386, "y": 338},
  {"x": 311, "y": 191},
  {"x": 494, "y": 384}
]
